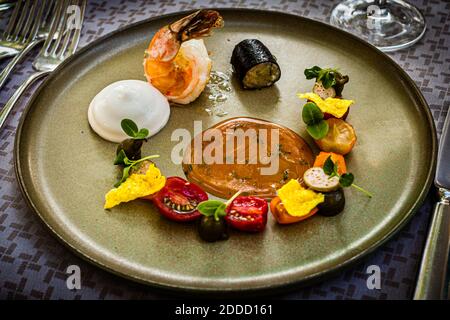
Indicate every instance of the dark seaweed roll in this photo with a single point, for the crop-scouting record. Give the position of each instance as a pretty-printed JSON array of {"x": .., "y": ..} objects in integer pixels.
[{"x": 254, "y": 65}]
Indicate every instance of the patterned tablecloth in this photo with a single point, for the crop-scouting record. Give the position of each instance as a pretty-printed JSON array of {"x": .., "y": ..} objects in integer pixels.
[{"x": 33, "y": 264}]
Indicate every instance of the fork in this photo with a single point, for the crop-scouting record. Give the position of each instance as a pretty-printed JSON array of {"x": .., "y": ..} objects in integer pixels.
[
  {"x": 5, "y": 5},
  {"x": 61, "y": 43},
  {"x": 43, "y": 24},
  {"x": 22, "y": 27}
]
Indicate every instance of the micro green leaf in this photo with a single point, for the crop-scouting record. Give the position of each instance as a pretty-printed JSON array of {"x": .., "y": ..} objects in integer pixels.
[
  {"x": 129, "y": 127},
  {"x": 312, "y": 72},
  {"x": 346, "y": 179},
  {"x": 120, "y": 158},
  {"x": 216, "y": 208},
  {"x": 318, "y": 130},
  {"x": 313, "y": 117},
  {"x": 220, "y": 211},
  {"x": 311, "y": 114},
  {"x": 327, "y": 77},
  {"x": 127, "y": 161},
  {"x": 328, "y": 166},
  {"x": 335, "y": 169},
  {"x": 142, "y": 134},
  {"x": 209, "y": 207},
  {"x": 328, "y": 81},
  {"x": 125, "y": 175}
]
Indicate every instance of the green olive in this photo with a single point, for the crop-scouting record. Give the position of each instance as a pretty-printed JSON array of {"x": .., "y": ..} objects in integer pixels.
[
  {"x": 334, "y": 203},
  {"x": 212, "y": 230},
  {"x": 132, "y": 148}
]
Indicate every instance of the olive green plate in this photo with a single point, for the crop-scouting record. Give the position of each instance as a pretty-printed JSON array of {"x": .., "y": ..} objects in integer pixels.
[{"x": 65, "y": 169}]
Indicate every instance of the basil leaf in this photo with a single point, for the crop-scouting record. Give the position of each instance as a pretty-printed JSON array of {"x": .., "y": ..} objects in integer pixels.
[
  {"x": 328, "y": 166},
  {"x": 129, "y": 127},
  {"x": 120, "y": 158},
  {"x": 125, "y": 175},
  {"x": 311, "y": 114},
  {"x": 346, "y": 179},
  {"x": 209, "y": 207},
  {"x": 312, "y": 73},
  {"x": 319, "y": 130}
]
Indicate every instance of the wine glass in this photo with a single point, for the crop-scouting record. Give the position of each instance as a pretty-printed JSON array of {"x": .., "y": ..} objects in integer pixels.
[{"x": 388, "y": 24}]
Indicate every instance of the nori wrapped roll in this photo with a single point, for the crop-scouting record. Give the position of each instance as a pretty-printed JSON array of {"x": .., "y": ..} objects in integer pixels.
[{"x": 254, "y": 65}]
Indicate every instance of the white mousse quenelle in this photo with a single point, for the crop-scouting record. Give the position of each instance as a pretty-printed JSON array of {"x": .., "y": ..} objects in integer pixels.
[{"x": 128, "y": 99}]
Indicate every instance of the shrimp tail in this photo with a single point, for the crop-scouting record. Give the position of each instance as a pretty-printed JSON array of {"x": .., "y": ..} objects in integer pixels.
[
  {"x": 196, "y": 25},
  {"x": 167, "y": 41}
]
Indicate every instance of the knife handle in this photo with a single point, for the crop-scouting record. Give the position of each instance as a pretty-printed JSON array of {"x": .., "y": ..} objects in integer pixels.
[{"x": 433, "y": 268}]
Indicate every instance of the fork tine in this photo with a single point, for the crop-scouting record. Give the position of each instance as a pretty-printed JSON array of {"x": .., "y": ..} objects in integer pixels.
[
  {"x": 38, "y": 19},
  {"x": 71, "y": 35},
  {"x": 49, "y": 14},
  {"x": 26, "y": 15},
  {"x": 61, "y": 28},
  {"x": 67, "y": 36},
  {"x": 31, "y": 15},
  {"x": 55, "y": 21},
  {"x": 76, "y": 37},
  {"x": 22, "y": 19},
  {"x": 13, "y": 20}
]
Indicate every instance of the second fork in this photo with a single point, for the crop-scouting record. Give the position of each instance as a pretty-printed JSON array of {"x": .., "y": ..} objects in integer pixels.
[
  {"x": 61, "y": 43},
  {"x": 39, "y": 32}
]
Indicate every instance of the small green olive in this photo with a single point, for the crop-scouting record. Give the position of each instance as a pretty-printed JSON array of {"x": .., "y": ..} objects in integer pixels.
[
  {"x": 212, "y": 230},
  {"x": 132, "y": 148},
  {"x": 334, "y": 203}
]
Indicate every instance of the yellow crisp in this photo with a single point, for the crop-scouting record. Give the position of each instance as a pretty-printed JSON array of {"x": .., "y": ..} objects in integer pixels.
[
  {"x": 297, "y": 200},
  {"x": 136, "y": 186},
  {"x": 333, "y": 106}
]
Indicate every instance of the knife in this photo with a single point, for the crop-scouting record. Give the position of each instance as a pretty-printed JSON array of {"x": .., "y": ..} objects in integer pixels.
[{"x": 431, "y": 283}]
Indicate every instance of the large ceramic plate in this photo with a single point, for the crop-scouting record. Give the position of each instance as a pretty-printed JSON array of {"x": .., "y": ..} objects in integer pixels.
[{"x": 65, "y": 169}]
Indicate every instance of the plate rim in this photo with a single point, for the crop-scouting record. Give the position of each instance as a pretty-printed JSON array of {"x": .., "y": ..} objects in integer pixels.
[{"x": 291, "y": 279}]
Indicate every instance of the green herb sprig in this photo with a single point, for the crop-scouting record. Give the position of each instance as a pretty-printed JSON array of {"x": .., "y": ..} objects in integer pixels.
[
  {"x": 327, "y": 76},
  {"x": 316, "y": 126},
  {"x": 216, "y": 208},
  {"x": 345, "y": 180},
  {"x": 123, "y": 160},
  {"x": 132, "y": 130}
]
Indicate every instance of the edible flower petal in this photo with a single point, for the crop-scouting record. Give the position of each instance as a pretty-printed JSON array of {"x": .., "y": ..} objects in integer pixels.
[
  {"x": 334, "y": 106},
  {"x": 297, "y": 200},
  {"x": 136, "y": 186}
]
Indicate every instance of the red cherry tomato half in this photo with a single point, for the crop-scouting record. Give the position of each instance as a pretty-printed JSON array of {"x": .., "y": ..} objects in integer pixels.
[
  {"x": 178, "y": 200},
  {"x": 247, "y": 214}
]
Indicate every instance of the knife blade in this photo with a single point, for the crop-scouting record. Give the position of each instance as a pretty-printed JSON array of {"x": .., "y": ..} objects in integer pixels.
[
  {"x": 431, "y": 283},
  {"x": 442, "y": 179}
]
